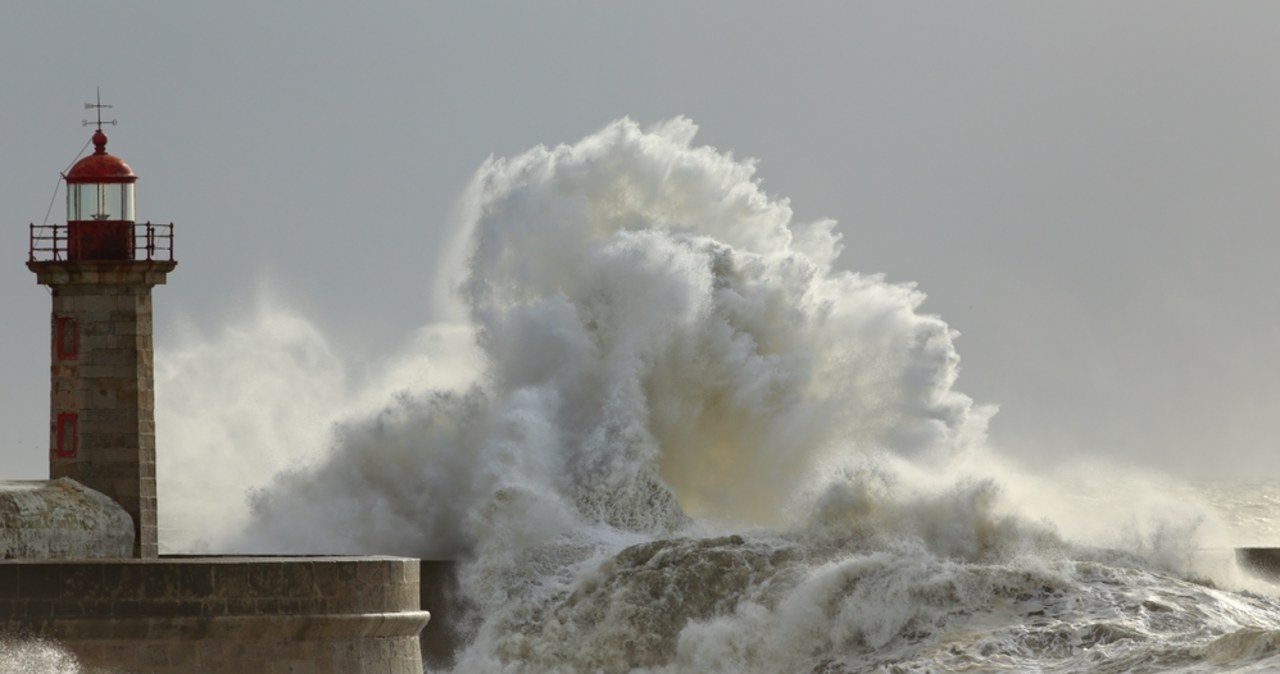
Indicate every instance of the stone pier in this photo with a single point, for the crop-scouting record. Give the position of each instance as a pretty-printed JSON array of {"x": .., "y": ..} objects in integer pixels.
[{"x": 222, "y": 615}]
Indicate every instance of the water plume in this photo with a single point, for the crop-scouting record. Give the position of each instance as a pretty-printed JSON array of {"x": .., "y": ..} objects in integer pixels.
[
  {"x": 659, "y": 340},
  {"x": 684, "y": 441}
]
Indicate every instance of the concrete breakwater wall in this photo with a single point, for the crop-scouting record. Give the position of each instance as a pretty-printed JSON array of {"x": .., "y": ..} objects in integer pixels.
[
  {"x": 439, "y": 593},
  {"x": 222, "y": 615},
  {"x": 1261, "y": 561}
]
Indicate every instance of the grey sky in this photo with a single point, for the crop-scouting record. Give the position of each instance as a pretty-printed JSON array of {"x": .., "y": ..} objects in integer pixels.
[{"x": 1086, "y": 190}]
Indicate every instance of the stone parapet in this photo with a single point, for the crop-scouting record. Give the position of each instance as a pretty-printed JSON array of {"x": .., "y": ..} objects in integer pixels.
[
  {"x": 390, "y": 655},
  {"x": 239, "y": 627},
  {"x": 222, "y": 615},
  {"x": 86, "y": 272}
]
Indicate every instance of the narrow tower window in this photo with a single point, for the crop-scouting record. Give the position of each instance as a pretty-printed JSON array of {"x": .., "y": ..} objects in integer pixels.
[
  {"x": 68, "y": 440},
  {"x": 66, "y": 338}
]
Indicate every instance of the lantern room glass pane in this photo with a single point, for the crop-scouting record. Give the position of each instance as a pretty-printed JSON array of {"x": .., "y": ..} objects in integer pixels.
[
  {"x": 100, "y": 201},
  {"x": 126, "y": 201}
]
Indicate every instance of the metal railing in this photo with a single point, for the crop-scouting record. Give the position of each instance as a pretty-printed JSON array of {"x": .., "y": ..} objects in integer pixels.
[
  {"x": 52, "y": 243},
  {"x": 47, "y": 243},
  {"x": 157, "y": 242}
]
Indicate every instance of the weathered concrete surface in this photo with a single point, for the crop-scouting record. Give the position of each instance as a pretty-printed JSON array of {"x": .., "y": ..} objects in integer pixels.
[
  {"x": 61, "y": 519},
  {"x": 222, "y": 615}
]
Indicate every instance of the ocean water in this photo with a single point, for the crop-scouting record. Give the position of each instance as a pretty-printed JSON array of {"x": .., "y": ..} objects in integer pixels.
[
  {"x": 1247, "y": 509},
  {"x": 896, "y": 582},
  {"x": 666, "y": 433}
]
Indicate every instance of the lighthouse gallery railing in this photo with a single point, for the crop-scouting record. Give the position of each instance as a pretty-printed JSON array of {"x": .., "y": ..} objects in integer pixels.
[{"x": 151, "y": 242}]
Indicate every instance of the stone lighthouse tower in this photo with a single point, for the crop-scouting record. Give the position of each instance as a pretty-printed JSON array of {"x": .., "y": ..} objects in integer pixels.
[
  {"x": 65, "y": 544},
  {"x": 100, "y": 267}
]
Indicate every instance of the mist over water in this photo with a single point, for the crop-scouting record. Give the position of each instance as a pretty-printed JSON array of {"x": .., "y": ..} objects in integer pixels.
[{"x": 667, "y": 433}]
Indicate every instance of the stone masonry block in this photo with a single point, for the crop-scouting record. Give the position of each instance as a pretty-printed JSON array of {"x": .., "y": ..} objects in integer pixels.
[
  {"x": 374, "y": 574},
  {"x": 94, "y": 371},
  {"x": 9, "y": 581},
  {"x": 121, "y": 326},
  {"x": 91, "y": 417},
  {"x": 80, "y": 580},
  {"x": 39, "y": 581},
  {"x": 102, "y": 399}
]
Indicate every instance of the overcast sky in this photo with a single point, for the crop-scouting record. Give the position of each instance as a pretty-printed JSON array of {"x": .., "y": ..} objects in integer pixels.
[{"x": 1085, "y": 190}]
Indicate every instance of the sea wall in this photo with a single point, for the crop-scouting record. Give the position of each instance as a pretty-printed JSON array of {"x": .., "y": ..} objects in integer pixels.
[
  {"x": 450, "y": 614},
  {"x": 222, "y": 615}
]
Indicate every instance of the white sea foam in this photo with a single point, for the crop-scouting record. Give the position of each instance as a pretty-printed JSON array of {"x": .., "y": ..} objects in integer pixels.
[
  {"x": 685, "y": 442},
  {"x": 36, "y": 656}
]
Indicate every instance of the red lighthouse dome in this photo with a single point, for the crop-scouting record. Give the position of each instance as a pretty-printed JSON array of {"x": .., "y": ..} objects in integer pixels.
[
  {"x": 100, "y": 166},
  {"x": 100, "y": 205}
]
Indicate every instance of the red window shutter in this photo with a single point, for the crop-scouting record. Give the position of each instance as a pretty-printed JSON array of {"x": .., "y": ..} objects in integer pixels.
[
  {"x": 66, "y": 335},
  {"x": 68, "y": 440}
]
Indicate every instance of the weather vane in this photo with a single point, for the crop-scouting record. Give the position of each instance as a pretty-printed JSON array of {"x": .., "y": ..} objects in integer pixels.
[{"x": 99, "y": 106}]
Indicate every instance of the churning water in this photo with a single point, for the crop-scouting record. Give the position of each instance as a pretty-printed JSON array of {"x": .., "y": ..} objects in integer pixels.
[{"x": 667, "y": 434}]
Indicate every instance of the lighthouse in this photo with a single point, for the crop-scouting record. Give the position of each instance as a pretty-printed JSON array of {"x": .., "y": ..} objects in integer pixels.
[
  {"x": 79, "y": 558},
  {"x": 100, "y": 267}
]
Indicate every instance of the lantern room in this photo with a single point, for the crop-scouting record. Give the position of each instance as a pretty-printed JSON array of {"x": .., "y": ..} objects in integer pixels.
[{"x": 100, "y": 223}]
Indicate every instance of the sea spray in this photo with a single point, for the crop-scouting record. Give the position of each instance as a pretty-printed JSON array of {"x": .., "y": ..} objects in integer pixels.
[
  {"x": 658, "y": 340},
  {"x": 37, "y": 656},
  {"x": 263, "y": 395},
  {"x": 690, "y": 443}
]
